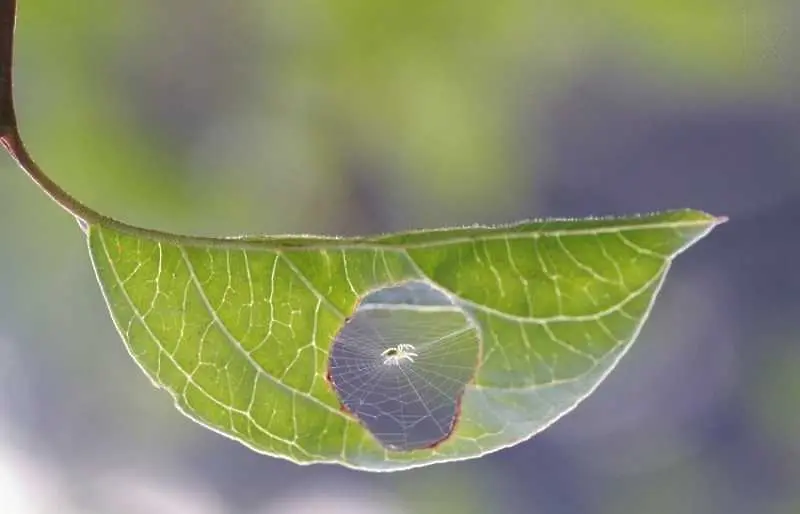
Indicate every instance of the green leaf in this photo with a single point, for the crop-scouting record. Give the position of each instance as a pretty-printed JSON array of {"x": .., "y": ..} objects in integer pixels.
[{"x": 388, "y": 352}]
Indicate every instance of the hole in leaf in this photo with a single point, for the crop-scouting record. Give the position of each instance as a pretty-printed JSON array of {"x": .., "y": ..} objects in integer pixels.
[{"x": 401, "y": 363}]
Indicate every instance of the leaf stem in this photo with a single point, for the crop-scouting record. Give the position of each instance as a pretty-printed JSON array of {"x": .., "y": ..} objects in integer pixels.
[
  {"x": 11, "y": 139},
  {"x": 9, "y": 132}
]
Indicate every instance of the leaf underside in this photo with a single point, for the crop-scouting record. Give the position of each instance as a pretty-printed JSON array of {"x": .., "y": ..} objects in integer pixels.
[{"x": 240, "y": 331}]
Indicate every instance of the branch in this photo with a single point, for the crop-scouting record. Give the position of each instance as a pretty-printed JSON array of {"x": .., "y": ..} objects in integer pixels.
[
  {"x": 9, "y": 132},
  {"x": 8, "y": 14}
]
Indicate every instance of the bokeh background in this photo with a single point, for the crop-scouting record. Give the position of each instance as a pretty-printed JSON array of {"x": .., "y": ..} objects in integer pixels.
[{"x": 364, "y": 116}]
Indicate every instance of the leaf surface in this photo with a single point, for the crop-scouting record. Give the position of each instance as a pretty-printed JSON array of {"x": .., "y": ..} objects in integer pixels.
[{"x": 529, "y": 317}]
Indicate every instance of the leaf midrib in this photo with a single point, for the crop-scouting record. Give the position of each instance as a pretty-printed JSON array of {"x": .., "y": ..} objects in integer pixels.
[{"x": 378, "y": 242}]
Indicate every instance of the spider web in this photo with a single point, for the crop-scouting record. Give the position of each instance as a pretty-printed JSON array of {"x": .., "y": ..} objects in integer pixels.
[{"x": 409, "y": 402}]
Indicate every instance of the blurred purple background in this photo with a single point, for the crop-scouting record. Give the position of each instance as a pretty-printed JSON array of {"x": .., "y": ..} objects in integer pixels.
[{"x": 354, "y": 117}]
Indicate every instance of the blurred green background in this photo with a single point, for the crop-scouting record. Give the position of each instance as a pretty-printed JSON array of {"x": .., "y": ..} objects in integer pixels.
[{"x": 364, "y": 116}]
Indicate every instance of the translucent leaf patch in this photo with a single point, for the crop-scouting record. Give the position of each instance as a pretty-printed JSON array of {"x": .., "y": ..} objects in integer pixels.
[{"x": 388, "y": 352}]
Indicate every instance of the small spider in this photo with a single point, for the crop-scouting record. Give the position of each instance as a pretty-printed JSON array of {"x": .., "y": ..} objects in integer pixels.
[{"x": 393, "y": 355}]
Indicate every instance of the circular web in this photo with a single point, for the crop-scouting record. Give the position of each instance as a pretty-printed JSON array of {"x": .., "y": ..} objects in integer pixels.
[{"x": 401, "y": 362}]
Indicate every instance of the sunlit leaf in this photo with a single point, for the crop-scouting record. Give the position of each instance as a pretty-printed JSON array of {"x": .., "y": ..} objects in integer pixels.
[{"x": 388, "y": 352}]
